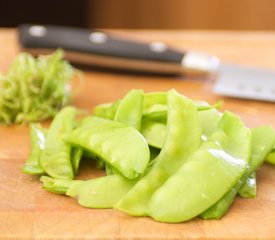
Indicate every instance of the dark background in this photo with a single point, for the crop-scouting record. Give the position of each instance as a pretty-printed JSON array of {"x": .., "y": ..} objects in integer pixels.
[
  {"x": 154, "y": 14},
  {"x": 71, "y": 13}
]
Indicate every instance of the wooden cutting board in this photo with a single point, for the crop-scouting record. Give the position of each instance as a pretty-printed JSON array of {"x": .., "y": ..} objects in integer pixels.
[{"x": 29, "y": 212}]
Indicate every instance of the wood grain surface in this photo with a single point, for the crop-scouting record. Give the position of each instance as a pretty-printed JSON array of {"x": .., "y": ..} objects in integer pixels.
[{"x": 29, "y": 212}]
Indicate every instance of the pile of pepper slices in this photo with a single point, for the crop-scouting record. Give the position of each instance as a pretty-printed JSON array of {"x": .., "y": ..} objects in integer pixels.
[{"x": 165, "y": 156}]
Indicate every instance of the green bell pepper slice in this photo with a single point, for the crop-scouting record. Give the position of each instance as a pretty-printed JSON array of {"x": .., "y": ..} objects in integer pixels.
[
  {"x": 56, "y": 157},
  {"x": 37, "y": 144},
  {"x": 129, "y": 110},
  {"x": 119, "y": 145},
  {"x": 58, "y": 186},
  {"x": 102, "y": 192}
]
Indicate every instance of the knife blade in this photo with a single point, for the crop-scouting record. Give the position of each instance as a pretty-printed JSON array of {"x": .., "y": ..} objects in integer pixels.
[
  {"x": 245, "y": 82},
  {"x": 99, "y": 48}
]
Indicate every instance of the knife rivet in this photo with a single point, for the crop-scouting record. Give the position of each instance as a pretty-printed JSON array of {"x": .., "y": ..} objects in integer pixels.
[
  {"x": 158, "y": 47},
  {"x": 37, "y": 31},
  {"x": 98, "y": 37}
]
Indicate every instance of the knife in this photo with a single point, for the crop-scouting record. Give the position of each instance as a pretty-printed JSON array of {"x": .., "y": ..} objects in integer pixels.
[
  {"x": 99, "y": 48},
  {"x": 103, "y": 49}
]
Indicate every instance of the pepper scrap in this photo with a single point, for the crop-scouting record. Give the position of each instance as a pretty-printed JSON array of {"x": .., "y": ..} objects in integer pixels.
[{"x": 35, "y": 89}]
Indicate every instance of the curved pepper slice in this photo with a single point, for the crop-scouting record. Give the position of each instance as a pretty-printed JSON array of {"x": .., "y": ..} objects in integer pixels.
[
  {"x": 209, "y": 121},
  {"x": 182, "y": 140},
  {"x": 76, "y": 155},
  {"x": 106, "y": 110},
  {"x": 119, "y": 145},
  {"x": 155, "y": 106},
  {"x": 154, "y": 132},
  {"x": 38, "y": 138},
  {"x": 102, "y": 192},
  {"x": 56, "y": 157},
  {"x": 262, "y": 139},
  {"x": 207, "y": 175},
  {"x": 129, "y": 110},
  {"x": 58, "y": 186}
]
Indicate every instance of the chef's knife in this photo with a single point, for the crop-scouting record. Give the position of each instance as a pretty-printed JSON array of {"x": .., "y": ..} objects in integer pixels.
[
  {"x": 103, "y": 49},
  {"x": 106, "y": 50}
]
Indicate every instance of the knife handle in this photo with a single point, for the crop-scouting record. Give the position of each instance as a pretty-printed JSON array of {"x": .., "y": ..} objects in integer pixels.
[{"x": 106, "y": 50}]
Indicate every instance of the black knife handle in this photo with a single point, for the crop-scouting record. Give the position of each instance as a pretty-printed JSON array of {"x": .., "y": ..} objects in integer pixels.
[
  {"x": 104, "y": 49},
  {"x": 94, "y": 42}
]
